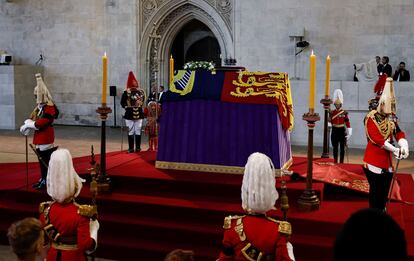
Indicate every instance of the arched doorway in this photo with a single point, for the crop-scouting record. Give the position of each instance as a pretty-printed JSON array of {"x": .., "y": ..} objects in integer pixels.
[
  {"x": 195, "y": 42},
  {"x": 160, "y": 29}
]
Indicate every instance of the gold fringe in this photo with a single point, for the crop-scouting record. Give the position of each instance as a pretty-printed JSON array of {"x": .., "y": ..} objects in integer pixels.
[
  {"x": 199, "y": 167},
  {"x": 210, "y": 167}
]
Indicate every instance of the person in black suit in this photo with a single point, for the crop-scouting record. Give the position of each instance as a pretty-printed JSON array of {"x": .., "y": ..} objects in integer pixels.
[
  {"x": 153, "y": 95},
  {"x": 386, "y": 68},
  {"x": 379, "y": 64},
  {"x": 402, "y": 75}
]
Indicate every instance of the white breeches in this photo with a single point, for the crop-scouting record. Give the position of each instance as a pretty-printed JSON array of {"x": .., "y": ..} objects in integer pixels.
[{"x": 134, "y": 126}]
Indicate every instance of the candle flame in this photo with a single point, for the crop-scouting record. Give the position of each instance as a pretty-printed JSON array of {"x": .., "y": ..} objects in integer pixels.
[
  {"x": 312, "y": 53},
  {"x": 105, "y": 54},
  {"x": 328, "y": 57}
]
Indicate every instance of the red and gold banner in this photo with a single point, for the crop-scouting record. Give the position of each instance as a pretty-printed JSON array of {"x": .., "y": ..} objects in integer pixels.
[{"x": 261, "y": 88}]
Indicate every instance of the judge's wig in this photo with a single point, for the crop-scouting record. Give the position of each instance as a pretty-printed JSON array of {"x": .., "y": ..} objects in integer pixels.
[
  {"x": 258, "y": 190},
  {"x": 63, "y": 183}
]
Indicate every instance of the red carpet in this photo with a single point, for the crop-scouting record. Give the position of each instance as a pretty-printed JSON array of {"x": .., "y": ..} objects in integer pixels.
[{"x": 151, "y": 211}]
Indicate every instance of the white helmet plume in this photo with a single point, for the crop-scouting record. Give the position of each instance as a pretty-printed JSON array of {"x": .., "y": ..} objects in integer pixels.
[
  {"x": 338, "y": 97},
  {"x": 42, "y": 93},
  {"x": 387, "y": 101},
  {"x": 63, "y": 183},
  {"x": 258, "y": 190}
]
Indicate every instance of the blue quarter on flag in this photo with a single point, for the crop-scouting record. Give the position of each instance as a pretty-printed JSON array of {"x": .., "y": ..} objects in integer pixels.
[{"x": 199, "y": 84}]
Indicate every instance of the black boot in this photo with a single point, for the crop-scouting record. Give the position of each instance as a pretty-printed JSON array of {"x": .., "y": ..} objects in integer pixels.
[
  {"x": 42, "y": 185},
  {"x": 130, "y": 143},
  {"x": 35, "y": 185},
  {"x": 44, "y": 157},
  {"x": 137, "y": 143}
]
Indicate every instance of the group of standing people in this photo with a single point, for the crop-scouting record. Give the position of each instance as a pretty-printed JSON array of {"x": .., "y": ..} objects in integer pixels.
[
  {"x": 383, "y": 67},
  {"x": 71, "y": 229},
  {"x": 384, "y": 138},
  {"x": 65, "y": 229}
]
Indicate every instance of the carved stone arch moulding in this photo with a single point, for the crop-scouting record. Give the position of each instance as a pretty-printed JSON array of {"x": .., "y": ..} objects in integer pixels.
[
  {"x": 162, "y": 23},
  {"x": 148, "y": 7}
]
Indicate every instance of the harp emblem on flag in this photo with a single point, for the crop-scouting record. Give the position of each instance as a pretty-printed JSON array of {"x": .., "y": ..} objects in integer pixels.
[{"x": 183, "y": 82}]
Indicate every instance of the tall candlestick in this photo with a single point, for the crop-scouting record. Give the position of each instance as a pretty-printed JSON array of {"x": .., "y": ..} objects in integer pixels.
[
  {"x": 328, "y": 75},
  {"x": 104, "y": 78},
  {"x": 312, "y": 82},
  {"x": 171, "y": 69}
]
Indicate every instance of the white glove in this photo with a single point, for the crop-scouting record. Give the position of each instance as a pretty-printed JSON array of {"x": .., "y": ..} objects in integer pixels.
[
  {"x": 24, "y": 130},
  {"x": 30, "y": 124},
  {"x": 349, "y": 133},
  {"x": 329, "y": 125},
  {"x": 93, "y": 230},
  {"x": 404, "y": 148},
  {"x": 388, "y": 146},
  {"x": 290, "y": 251}
]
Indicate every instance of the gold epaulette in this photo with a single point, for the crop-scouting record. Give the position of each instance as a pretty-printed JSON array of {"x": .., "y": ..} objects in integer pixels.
[
  {"x": 228, "y": 219},
  {"x": 44, "y": 205},
  {"x": 87, "y": 210},
  {"x": 284, "y": 226}
]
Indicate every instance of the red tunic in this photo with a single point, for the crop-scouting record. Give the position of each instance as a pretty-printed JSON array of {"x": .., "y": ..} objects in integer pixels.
[
  {"x": 261, "y": 232},
  {"x": 339, "y": 118},
  {"x": 152, "y": 113},
  {"x": 45, "y": 133},
  {"x": 69, "y": 223},
  {"x": 379, "y": 129}
]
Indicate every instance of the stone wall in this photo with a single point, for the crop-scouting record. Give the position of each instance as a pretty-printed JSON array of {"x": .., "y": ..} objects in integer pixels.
[
  {"x": 73, "y": 35},
  {"x": 16, "y": 94},
  {"x": 351, "y": 31}
]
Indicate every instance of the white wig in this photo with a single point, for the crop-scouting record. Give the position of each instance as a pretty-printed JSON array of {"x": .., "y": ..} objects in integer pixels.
[
  {"x": 258, "y": 190},
  {"x": 63, "y": 182}
]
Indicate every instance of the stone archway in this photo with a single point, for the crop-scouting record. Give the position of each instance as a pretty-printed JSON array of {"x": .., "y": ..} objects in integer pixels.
[
  {"x": 161, "y": 21},
  {"x": 195, "y": 42}
]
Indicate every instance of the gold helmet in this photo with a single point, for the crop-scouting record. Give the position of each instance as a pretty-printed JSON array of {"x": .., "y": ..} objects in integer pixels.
[
  {"x": 387, "y": 102},
  {"x": 41, "y": 92},
  {"x": 338, "y": 97}
]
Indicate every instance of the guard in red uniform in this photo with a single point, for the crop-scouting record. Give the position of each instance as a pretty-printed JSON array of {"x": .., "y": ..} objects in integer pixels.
[
  {"x": 68, "y": 225},
  {"x": 132, "y": 101},
  {"x": 41, "y": 120},
  {"x": 341, "y": 127},
  {"x": 381, "y": 128},
  {"x": 152, "y": 112},
  {"x": 255, "y": 236}
]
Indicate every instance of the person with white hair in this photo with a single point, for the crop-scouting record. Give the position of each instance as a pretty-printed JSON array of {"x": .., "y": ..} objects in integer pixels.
[
  {"x": 255, "y": 236},
  {"x": 71, "y": 228},
  {"x": 341, "y": 127},
  {"x": 41, "y": 121}
]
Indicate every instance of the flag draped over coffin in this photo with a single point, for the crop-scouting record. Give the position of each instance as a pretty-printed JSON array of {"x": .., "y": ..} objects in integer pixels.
[{"x": 238, "y": 87}]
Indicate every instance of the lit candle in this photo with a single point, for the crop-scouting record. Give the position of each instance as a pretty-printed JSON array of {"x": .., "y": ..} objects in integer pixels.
[
  {"x": 312, "y": 82},
  {"x": 171, "y": 69},
  {"x": 104, "y": 78},
  {"x": 328, "y": 75}
]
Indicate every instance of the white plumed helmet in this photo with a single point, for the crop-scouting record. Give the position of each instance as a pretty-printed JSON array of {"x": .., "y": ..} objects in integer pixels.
[
  {"x": 258, "y": 190},
  {"x": 338, "y": 97},
  {"x": 42, "y": 93},
  {"x": 63, "y": 183}
]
